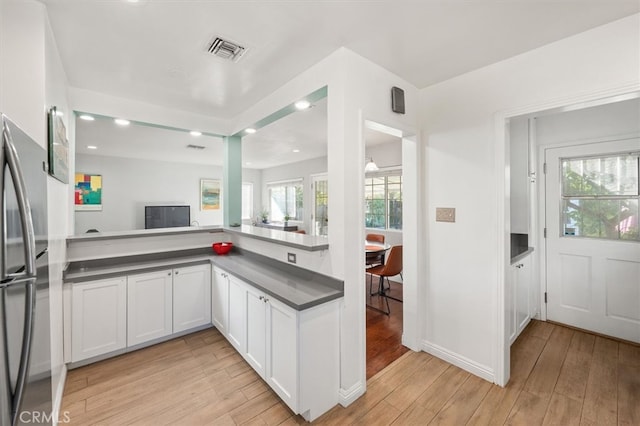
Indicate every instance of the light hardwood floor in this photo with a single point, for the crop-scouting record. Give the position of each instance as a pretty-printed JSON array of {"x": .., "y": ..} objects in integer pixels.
[{"x": 558, "y": 376}]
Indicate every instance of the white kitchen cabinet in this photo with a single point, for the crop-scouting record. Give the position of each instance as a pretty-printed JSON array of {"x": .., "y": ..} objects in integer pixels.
[
  {"x": 281, "y": 372},
  {"x": 519, "y": 307},
  {"x": 236, "y": 329},
  {"x": 220, "y": 300},
  {"x": 98, "y": 317},
  {"x": 256, "y": 329},
  {"x": 191, "y": 297},
  {"x": 149, "y": 306},
  {"x": 295, "y": 352}
]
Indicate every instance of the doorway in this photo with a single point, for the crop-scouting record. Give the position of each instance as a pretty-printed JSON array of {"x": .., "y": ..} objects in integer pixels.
[
  {"x": 383, "y": 202},
  {"x": 593, "y": 243}
]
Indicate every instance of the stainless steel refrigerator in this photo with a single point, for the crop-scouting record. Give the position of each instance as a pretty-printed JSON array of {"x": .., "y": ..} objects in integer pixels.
[{"x": 25, "y": 351}]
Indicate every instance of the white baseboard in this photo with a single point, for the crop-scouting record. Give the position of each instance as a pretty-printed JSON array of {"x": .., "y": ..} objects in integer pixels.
[
  {"x": 347, "y": 396},
  {"x": 458, "y": 360},
  {"x": 57, "y": 398}
]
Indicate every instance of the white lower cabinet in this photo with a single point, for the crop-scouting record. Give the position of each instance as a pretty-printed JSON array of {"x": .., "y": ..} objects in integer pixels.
[
  {"x": 237, "y": 322},
  {"x": 149, "y": 306},
  {"x": 295, "y": 352},
  {"x": 98, "y": 318},
  {"x": 113, "y": 314},
  {"x": 519, "y": 307},
  {"x": 191, "y": 297},
  {"x": 220, "y": 299},
  {"x": 282, "y": 350},
  {"x": 256, "y": 329}
]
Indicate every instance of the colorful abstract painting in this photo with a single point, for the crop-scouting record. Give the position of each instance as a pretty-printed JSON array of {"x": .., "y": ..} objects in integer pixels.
[
  {"x": 209, "y": 194},
  {"x": 88, "y": 193}
]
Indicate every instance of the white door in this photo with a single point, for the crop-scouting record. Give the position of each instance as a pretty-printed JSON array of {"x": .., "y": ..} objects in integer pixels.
[
  {"x": 191, "y": 297},
  {"x": 236, "y": 328},
  {"x": 149, "y": 306},
  {"x": 256, "y": 329},
  {"x": 320, "y": 217},
  {"x": 282, "y": 352},
  {"x": 592, "y": 244},
  {"x": 98, "y": 317},
  {"x": 220, "y": 300}
]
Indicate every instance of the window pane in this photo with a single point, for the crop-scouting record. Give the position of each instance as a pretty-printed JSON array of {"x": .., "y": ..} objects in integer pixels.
[
  {"x": 394, "y": 179},
  {"x": 612, "y": 175},
  {"x": 247, "y": 200},
  {"x": 611, "y": 219},
  {"x": 395, "y": 214}
]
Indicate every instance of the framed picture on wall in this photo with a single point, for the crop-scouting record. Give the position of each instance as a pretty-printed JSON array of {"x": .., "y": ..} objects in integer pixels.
[
  {"x": 58, "y": 147},
  {"x": 209, "y": 194},
  {"x": 88, "y": 192}
]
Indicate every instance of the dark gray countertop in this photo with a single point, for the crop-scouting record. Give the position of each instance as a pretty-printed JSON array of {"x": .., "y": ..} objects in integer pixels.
[
  {"x": 114, "y": 235},
  {"x": 292, "y": 285},
  {"x": 521, "y": 254}
]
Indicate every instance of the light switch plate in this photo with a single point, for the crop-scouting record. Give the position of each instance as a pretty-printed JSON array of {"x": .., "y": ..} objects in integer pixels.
[
  {"x": 445, "y": 214},
  {"x": 291, "y": 257}
]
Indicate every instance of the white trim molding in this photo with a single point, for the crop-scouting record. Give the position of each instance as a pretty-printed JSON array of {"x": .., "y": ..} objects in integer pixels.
[
  {"x": 348, "y": 396},
  {"x": 458, "y": 360}
]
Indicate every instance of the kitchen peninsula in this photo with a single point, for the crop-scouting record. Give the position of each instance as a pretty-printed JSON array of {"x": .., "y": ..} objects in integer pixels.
[{"x": 144, "y": 287}]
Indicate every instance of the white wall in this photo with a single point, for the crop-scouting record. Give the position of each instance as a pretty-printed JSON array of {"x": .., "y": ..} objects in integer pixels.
[
  {"x": 300, "y": 170},
  {"x": 604, "y": 121},
  {"x": 130, "y": 184},
  {"x": 32, "y": 79},
  {"x": 518, "y": 174},
  {"x": 357, "y": 90},
  {"x": 465, "y": 258}
]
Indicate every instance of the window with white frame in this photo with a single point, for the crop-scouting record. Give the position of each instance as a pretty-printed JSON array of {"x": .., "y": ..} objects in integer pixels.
[
  {"x": 247, "y": 201},
  {"x": 383, "y": 200},
  {"x": 286, "y": 199},
  {"x": 600, "y": 197}
]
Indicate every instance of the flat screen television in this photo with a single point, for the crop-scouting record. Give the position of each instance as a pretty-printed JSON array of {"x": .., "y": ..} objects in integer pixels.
[{"x": 166, "y": 216}]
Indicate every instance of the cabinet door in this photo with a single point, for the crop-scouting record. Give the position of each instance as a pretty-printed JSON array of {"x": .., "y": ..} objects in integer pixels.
[
  {"x": 98, "y": 318},
  {"x": 220, "y": 300},
  {"x": 236, "y": 328},
  {"x": 256, "y": 330},
  {"x": 282, "y": 351},
  {"x": 191, "y": 297},
  {"x": 511, "y": 303},
  {"x": 523, "y": 284},
  {"x": 149, "y": 306}
]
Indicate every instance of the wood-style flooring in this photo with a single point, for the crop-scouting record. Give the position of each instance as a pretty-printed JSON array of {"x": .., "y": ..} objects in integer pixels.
[
  {"x": 558, "y": 376},
  {"x": 384, "y": 332}
]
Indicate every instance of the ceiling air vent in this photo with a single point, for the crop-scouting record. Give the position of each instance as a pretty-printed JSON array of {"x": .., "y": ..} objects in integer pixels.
[
  {"x": 192, "y": 146},
  {"x": 226, "y": 49}
]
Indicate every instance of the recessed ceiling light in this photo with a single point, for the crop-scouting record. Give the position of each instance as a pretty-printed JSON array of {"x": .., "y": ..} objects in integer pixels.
[
  {"x": 87, "y": 117},
  {"x": 132, "y": 1},
  {"x": 121, "y": 121},
  {"x": 195, "y": 133},
  {"x": 250, "y": 130},
  {"x": 59, "y": 113},
  {"x": 92, "y": 147},
  {"x": 248, "y": 163},
  {"x": 303, "y": 104},
  {"x": 296, "y": 150}
]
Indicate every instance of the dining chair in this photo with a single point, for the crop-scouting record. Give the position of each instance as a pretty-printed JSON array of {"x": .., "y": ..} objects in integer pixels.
[
  {"x": 392, "y": 267},
  {"x": 299, "y": 231},
  {"x": 376, "y": 258}
]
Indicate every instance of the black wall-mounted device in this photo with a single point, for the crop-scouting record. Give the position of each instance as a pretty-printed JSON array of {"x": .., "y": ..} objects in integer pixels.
[{"x": 397, "y": 100}]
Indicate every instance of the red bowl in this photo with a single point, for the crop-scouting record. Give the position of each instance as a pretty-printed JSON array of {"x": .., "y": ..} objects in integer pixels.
[{"x": 222, "y": 248}]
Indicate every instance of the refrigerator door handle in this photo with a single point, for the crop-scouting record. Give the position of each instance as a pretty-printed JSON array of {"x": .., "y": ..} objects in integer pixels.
[
  {"x": 28, "y": 234},
  {"x": 25, "y": 357}
]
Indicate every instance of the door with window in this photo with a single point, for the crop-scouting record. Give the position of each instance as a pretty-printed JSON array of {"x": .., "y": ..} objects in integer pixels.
[
  {"x": 593, "y": 242},
  {"x": 320, "y": 215}
]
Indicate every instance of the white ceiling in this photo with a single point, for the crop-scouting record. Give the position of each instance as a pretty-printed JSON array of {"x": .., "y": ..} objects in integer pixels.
[
  {"x": 154, "y": 50},
  {"x": 145, "y": 142}
]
